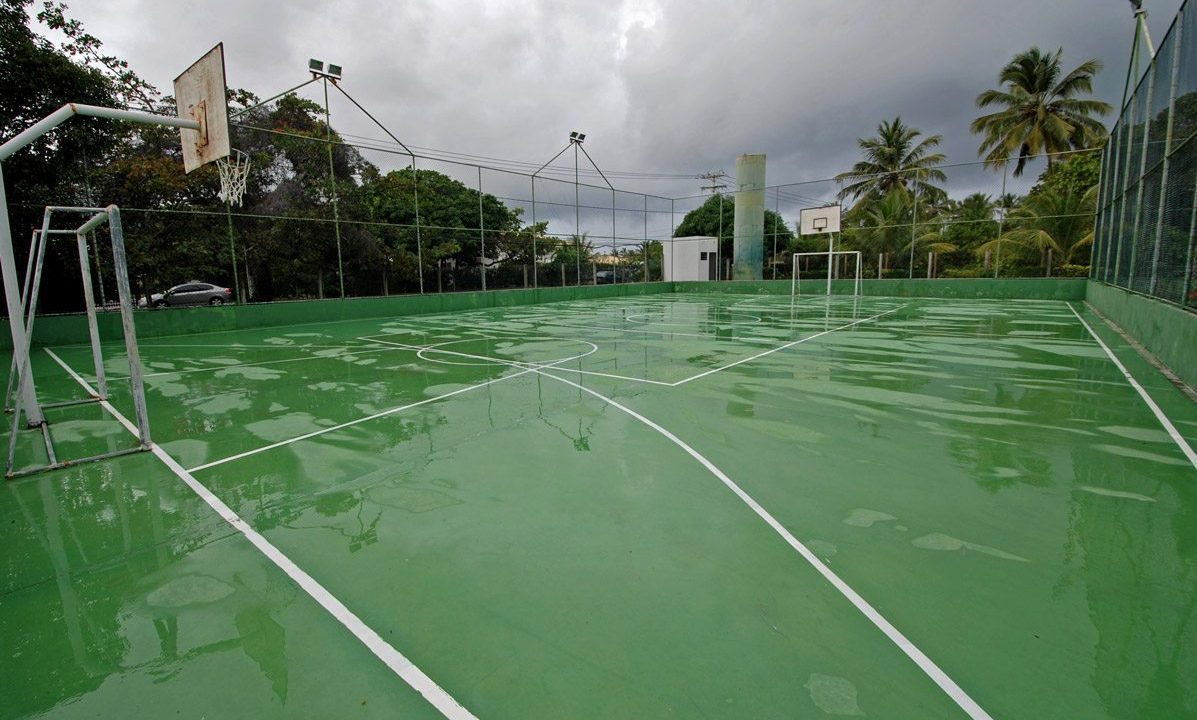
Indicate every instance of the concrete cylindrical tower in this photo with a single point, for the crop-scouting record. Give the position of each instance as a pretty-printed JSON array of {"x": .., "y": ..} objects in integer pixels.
[{"x": 749, "y": 240}]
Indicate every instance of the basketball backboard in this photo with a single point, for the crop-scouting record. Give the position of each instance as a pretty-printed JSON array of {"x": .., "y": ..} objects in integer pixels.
[
  {"x": 200, "y": 95},
  {"x": 819, "y": 220}
]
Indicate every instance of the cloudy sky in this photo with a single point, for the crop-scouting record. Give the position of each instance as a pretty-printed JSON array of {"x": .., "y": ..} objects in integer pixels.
[{"x": 660, "y": 86}]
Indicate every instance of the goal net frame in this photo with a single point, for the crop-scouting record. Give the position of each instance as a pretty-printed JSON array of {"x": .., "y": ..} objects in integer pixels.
[{"x": 796, "y": 277}]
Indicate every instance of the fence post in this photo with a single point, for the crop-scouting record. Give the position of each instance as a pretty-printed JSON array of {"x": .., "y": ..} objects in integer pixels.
[
  {"x": 535, "y": 257},
  {"x": 1001, "y": 221},
  {"x": 914, "y": 218},
  {"x": 1130, "y": 277},
  {"x": 415, "y": 189},
  {"x": 481, "y": 229},
  {"x": 646, "y": 278},
  {"x": 1174, "y": 84}
]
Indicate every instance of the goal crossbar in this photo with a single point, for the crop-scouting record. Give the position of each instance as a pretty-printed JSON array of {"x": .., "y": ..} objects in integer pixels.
[{"x": 796, "y": 278}]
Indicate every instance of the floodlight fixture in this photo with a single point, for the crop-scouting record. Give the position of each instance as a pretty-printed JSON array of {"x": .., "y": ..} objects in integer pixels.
[
  {"x": 334, "y": 70},
  {"x": 577, "y": 137},
  {"x": 316, "y": 66}
]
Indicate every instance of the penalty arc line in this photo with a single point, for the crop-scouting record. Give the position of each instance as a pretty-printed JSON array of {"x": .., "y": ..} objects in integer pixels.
[
  {"x": 1155, "y": 409},
  {"x": 926, "y": 664},
  {"x": 395, "y": 660}
]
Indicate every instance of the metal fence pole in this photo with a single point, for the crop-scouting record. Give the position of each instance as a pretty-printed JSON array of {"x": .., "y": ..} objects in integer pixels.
[
  {"x": 415, "y": 190},
  {"x": 481, "y": 229},
  {"x": 1173, "y": 86},
  {"x": 228, "y": 213},
  {"x": 646, "y": 238},
  {"x": 535, "y": 256},
  {"x": 577, "y": 222},
  {"x": 1099, "y": 227},
  {"x": 776, "y": 214},
  {"x": 1184, "y": 298},
  {"x": 1130, "y": 277},
  {"x": 997, "y": 261},
  {"x": 914, "y": 218},
  {"x": 672, "y": 230}
]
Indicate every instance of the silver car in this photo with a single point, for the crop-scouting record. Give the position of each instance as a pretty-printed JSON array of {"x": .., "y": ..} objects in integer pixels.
[{"x": 192, "y": 293}]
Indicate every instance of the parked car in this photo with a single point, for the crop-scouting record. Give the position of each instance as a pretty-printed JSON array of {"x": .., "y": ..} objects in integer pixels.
[
  {"x": 191, "y": 293},
  {"x": 604, "y": 277}
]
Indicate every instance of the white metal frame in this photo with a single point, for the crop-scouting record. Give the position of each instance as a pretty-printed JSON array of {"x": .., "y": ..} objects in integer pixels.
[
  {"x": 21, "y": 364},
  {"x": 18, "y": 301},
  {"x": 796, "y": 280}
]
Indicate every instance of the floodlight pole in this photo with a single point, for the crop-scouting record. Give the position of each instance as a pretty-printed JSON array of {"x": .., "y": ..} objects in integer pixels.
[
  {"x": 535, "y": 257},
  {"x": 577, "y": 220},
  {"x": 12, "y": 298},
  {"x": 578, "y": 144},
  {"x": 332, "y": 184}
]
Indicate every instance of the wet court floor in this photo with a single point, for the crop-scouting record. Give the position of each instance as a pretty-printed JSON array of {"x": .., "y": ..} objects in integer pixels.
[{"x": 665, "y": 506}]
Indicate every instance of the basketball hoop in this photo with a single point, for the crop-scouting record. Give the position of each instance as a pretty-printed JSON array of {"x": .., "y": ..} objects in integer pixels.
[{"x": 234, "y": 171}]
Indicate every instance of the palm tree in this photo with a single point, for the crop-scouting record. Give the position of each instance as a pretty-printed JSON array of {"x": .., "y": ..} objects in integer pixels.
[
  {"x": 896, "y": 159},
  {"x": 1041, "y": 112},
  {"x": 1059, "y": 221}
]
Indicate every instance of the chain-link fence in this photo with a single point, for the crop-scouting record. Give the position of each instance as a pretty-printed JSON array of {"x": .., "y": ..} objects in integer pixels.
[{"x": 1146, "y": 206}]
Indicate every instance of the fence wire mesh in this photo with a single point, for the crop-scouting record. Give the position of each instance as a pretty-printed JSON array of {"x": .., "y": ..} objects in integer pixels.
[{"x": 1144, "y": 239}]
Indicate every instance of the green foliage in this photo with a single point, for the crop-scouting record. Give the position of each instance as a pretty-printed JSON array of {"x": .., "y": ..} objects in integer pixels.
[
  {"x": 1042, "y": 112},
  {"x": 1074, "y": 174},
  {"x": 705, "y": 220}
]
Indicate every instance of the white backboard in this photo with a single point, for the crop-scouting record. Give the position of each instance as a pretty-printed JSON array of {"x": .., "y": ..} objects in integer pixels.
[
  {"x": 819, "y": 220},
  {"x": 200, "y": 96}
]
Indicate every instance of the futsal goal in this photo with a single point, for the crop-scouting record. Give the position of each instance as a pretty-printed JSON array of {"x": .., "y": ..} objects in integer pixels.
[{"x": 833, "y": 256}]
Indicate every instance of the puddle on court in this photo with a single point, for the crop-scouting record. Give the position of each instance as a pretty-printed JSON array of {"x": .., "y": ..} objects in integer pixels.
[
  {"x": 947, "y": 543},
  {"x": 1116, "y": 493},
  {"x": 833, "y": 695},
  {"x": 863, "y": 517}
]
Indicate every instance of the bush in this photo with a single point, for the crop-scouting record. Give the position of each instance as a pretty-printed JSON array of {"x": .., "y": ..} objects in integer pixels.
[
  {"x": 971, "y": 271},
  {"x": 895, "y": 273},
  {"x": 1072, "y": 271}
]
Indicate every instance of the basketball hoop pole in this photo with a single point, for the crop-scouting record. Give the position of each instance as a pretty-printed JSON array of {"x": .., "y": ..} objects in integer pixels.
[{"x": 12, "y": 292}]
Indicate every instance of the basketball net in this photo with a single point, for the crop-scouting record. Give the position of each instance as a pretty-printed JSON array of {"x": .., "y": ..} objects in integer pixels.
[{"x": 234, "y": 171}]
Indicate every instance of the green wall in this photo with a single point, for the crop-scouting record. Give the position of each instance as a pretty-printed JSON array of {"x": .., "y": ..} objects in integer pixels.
[
  {"x": 68, "y": 329},
  {"x": 972, "y": 288},
  {"x": 1167, "y": 331}
]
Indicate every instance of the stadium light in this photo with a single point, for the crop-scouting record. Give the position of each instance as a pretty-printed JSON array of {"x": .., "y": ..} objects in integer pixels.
[
  {"x": 577, "y": 137},
  {"x": 318, "y": 69}
]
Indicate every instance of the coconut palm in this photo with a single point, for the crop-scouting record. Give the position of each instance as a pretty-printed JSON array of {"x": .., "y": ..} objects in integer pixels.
[
  {"x": 1059, "y": 221},
  {"x": 896, "y": 159},
  {"x": 1042, "y": 110}
]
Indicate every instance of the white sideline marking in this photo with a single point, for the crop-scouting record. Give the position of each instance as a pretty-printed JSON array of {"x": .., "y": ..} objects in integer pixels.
[
  {"x": 217, "y": 368},
  {"x": 395, "y": 660},
  {"x": 938, "y": 676},
  {"x": 342, "y": 426},
  {"x": 1159, "y": 414},
  {"x": 791, "y": 344}
]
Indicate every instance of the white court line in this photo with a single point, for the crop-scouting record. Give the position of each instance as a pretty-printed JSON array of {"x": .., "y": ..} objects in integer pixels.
[
  {"x": 217, "y": 368},
  {"x": 779, "y": 348},
  {"x": 351, "y": 423},
  {"x": 1159, "y": 414},
  {"x": 515, "y": 363},
  {"x": 395, "y": 660},
  {"x": 928, "y": 666}
]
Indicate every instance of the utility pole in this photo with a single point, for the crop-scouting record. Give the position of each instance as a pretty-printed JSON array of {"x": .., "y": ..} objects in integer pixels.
[{"x": 716, "y": 184}]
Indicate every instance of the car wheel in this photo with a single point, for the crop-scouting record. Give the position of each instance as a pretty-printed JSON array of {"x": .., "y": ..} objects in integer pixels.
[
  {"x": 159, "y": 303},
  {"x": 216, "y": 301}
]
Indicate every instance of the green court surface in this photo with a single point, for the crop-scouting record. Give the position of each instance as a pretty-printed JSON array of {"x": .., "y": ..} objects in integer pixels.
[{"x": 663, "y": 506}]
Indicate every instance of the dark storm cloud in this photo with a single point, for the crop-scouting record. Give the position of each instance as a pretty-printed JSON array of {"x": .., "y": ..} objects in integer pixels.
[{"x": 675, "y": 85}]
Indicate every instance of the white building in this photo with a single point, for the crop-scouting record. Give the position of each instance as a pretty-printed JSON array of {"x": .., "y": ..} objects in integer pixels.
[{"x": 690, "y": 258}]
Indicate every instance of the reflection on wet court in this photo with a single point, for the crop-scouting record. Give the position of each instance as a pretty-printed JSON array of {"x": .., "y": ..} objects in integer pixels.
[{"x": 657, "y": 506}]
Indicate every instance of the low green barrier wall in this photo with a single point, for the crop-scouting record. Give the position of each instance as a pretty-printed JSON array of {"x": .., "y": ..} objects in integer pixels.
[
  {"x": 69, "y": 329},
  {"x": 1167, "y": 331},
  {"x": 969, "y": 288}
]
